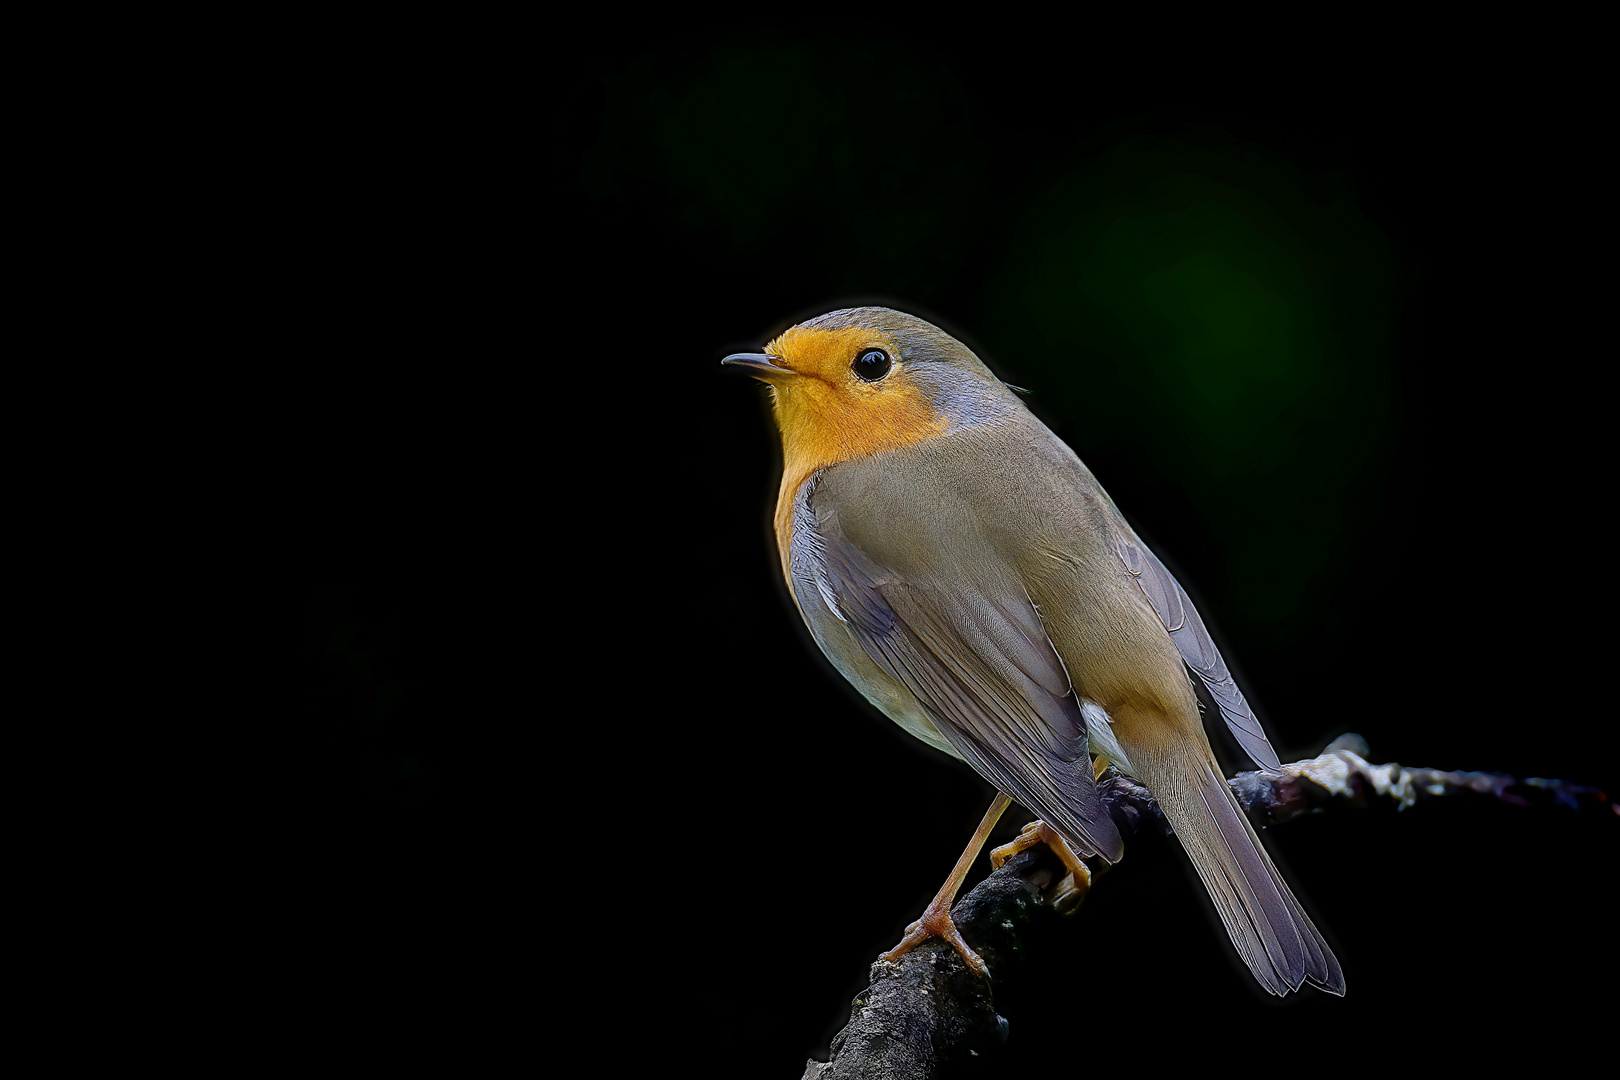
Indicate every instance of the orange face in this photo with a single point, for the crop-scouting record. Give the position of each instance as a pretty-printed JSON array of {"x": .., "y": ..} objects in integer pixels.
[{"x": 831, "y": 409}]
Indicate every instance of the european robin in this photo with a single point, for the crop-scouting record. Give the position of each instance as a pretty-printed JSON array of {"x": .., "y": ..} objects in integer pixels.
[{"x": 965, "y": 571}]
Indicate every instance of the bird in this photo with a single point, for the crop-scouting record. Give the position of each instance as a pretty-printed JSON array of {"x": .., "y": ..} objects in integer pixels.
[{"x": 962, "y": 568}]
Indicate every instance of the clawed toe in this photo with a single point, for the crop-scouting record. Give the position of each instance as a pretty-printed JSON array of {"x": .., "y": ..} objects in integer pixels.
[
  {"x": 936, "y": 922},
  {"x": 1072, "y": 889}
]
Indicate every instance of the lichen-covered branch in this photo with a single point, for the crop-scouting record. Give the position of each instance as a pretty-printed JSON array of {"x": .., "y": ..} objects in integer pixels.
[
  {"x": 928, "y": 1010},
  {"x": 1342, "y": 777}
]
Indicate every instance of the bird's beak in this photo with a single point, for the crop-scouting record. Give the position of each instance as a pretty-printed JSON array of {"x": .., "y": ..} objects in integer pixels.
[{"x": 759, "y": 365}]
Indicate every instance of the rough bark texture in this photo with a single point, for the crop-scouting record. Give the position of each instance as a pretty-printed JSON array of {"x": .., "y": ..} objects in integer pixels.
[{"x": 927, "y": 1011}]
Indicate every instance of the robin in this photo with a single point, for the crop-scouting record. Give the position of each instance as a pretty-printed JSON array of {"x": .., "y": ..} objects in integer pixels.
[{"x": 965, "y": 571}]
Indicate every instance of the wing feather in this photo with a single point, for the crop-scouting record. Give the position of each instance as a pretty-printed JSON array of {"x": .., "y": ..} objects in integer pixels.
[{"x": 1175, "y": 610}]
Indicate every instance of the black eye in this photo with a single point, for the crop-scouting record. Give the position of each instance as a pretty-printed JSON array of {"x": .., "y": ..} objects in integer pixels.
[{"x": 871, "y": 365}]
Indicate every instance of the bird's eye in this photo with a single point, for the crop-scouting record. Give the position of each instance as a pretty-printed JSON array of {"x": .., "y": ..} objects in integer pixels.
[{"x": 871, "y": 364}]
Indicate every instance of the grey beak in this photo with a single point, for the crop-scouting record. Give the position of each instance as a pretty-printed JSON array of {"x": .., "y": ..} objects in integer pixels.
[{"x": 759, "y": 365}]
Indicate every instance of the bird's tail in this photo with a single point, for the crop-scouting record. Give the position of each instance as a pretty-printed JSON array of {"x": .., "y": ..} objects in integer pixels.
[{"x": 1271, "y": 931}]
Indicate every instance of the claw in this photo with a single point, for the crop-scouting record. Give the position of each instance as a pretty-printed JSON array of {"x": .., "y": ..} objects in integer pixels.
[
  {"x": 1072, "y": 889},
  {"x": 936, "y": 922}
]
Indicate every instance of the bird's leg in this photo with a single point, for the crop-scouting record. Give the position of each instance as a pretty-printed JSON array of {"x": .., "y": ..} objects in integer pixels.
[
  {"x": 1072, "y": 889},
  {"x": 936, "y": 917}
]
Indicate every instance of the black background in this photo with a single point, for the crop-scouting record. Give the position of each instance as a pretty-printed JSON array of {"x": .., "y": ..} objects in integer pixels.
[{"x": 543, "y": 719}]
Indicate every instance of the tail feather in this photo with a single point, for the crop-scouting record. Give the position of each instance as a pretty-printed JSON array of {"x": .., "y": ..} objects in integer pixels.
[{"x": 1272, "y": 933}]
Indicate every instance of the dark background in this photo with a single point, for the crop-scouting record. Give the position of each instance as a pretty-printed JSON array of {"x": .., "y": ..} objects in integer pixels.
[{"x": 544, "y": 719}]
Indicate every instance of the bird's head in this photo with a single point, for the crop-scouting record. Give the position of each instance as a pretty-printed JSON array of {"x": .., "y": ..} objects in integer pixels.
[{"x": 863, "y": 380}]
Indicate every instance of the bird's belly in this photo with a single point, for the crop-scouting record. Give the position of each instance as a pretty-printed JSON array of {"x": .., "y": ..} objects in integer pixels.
[{"x": 839, "y": 645}]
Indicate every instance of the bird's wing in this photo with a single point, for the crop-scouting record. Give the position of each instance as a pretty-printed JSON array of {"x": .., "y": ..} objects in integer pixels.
[
  {"x": 978, "y": 660},
  {"x": 1175, "y": 609}
]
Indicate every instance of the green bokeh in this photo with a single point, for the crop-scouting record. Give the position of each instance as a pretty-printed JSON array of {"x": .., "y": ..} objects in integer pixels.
[
  {"x": 856, "y": 166},
  {"x": 1219, "y": 317}
]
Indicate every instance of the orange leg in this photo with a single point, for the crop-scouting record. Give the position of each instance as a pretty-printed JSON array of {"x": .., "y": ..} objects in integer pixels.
[{"x": 936, "y": 917}]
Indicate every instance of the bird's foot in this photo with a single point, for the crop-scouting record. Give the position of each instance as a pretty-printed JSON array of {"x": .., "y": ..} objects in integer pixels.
[
  {"x": 936, "y": 917},
  {"x": 936, "y": 922},
  {"x": 1072, "y": 889}
]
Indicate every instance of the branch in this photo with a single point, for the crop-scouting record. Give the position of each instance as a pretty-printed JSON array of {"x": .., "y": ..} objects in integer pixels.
[
  {"x": 927, "y": 1010},
  {"x": 1342, "y": 778}
]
